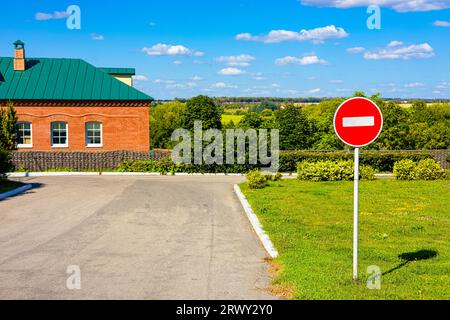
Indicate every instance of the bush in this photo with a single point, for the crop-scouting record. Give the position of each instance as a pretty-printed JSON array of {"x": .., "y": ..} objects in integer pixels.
[
  {"x": 277, "y": 176},
  {"x": 367, "y": 173},
  {"x": 447, "y": 174},
  {"x": 326, "y": 170},
  {"x": 405, "y": 170},
  {"x": 256, "y": 180},
  {"x": 429, "y": 170},
  {"x": 380, "y": 161}
]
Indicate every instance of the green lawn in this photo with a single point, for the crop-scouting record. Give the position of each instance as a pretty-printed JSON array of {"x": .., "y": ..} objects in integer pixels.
[
  {"x": 226, "y": 118},
  {"x": 311, "y": 225},
  {"x": 7, "y": 185}
]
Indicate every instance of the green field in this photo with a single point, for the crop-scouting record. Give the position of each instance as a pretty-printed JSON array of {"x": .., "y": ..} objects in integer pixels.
[
  {"x": 7, "y": 185},
  {"x": 404, "y": 229},
  {"x": 226, "y": 118}
]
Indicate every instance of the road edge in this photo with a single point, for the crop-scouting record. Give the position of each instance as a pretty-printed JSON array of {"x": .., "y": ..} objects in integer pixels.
[
  {"x": 256, "y": 224},
  {"x": 15, "y": 192}
]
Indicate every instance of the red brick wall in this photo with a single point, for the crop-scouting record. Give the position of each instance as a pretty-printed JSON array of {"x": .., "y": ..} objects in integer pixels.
[{"x": 124, "y": 127}]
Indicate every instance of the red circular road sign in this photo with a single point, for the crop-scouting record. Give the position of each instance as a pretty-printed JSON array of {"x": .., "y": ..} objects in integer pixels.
[{"x": 358, "y": 122}]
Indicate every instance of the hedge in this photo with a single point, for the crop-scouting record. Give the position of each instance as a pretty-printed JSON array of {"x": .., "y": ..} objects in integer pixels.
[
  {"x": 380, "y": 161},
  {"x": 166, "y": 166},
  {"x": 427, "y": 169}
]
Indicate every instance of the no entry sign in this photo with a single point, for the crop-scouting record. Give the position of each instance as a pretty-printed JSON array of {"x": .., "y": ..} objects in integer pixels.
[{"x": 358, "y": 122}]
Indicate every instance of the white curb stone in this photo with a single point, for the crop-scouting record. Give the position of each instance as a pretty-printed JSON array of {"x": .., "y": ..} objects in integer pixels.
[
  {"x": 263, "y": 237},
  {"x": 15, "y": 191}
]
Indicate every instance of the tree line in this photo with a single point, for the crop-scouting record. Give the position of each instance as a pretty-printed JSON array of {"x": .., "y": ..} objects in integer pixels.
[{"x": 310, "y": 127}]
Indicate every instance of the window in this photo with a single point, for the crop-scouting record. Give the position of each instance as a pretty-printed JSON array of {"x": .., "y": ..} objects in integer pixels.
[
  {"x": 94, "y": 134},
  {"x": 24, "y": 139},
  {"x": 59, "y": 135}
]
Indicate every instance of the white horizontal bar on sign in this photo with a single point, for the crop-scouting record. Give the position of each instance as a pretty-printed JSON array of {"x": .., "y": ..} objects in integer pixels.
[{"x": 358, "y": 122}]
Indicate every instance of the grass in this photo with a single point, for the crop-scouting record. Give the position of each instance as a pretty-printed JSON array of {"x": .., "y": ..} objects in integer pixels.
[
  {"x": 8, "y": 185},
  {"x": 404, "y": 229},
  {"x": 226, "y": 118}
]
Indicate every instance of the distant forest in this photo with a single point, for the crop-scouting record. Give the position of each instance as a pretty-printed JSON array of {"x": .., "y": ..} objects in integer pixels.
[{"x": 278, "y": 100}]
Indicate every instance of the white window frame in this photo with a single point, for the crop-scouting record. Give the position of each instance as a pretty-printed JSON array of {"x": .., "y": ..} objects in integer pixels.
[
  {"x": 30, "y": 145},
  {"x": 60, "y": 145},
  {"x": 94, "y": 145}
]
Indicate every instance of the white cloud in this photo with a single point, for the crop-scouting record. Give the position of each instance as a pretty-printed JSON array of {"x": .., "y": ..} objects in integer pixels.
[
  {"x": 336, "y": 81},
  {"x": 164, "y": 81},
  {"x": 306, "y": 60},
  {"x": 397, "y": 5},
  {"x": 140, "y": 78},
  {"x": 314, "y": 91},
  {"x": 231, "y": 72},
  {"x": 242, "y": 60},
  {"x": 394, "y": 44},
  {"x": 223, "y": 85},
  {"x": 97, "y": 37},
  {"x": 414, "y": 85},
  {"x": 187, "y": 85},
  {"x": 42, "y": 16},
  {"x": 162, "y": 49},
  {"x": 445, "y": 24},
  {"x": 246, "y": 37},
  {"x": 443, "y": 85},
  {"x": 317, "y": 35},
  {"x": 416, "y": 51},
  {"x": 178, "y": 62},
  {"x": 356, "y": 50},
  {"x": 197, "y": 78}
]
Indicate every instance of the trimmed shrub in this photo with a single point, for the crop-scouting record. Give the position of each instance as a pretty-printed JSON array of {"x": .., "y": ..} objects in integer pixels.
[
  {"x": 256, "y": 180},
  {"x": 429, "y": 169},
  {"x": 405, "y": 170},
  {"x": 325, "y": 170},
  {"x": 367, "y": 173},
  {"x": 277, "y": 176}
]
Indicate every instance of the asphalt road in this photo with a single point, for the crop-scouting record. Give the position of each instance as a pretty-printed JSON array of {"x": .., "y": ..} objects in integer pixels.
[{"x": 132, "y": 238}]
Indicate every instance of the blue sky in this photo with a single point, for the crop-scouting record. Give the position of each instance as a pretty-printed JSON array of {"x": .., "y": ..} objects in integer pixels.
[{"x": 286, "y": 48}]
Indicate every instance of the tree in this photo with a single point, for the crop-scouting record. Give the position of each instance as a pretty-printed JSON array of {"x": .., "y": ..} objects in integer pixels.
[
  {"x": 8, "y": 121},
  {"x": 264, "y": 105},
  {"x": 202, "y": 108},
  {"x": 295, "y": 129},
  {"x": 164, "y": 119},
  {"x": 251, "y": 120}
]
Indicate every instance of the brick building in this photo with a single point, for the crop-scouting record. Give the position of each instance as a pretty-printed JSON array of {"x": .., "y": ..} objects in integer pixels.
[{"x": 71, "y": 105}]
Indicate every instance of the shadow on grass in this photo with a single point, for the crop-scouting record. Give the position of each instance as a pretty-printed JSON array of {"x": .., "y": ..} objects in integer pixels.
[{"x": 408, "y": 257}]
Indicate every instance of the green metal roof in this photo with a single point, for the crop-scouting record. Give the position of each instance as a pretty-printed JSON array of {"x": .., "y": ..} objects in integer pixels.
[
  {"x": 62, "y": 79},
  {"x": 120, "y": 71}
]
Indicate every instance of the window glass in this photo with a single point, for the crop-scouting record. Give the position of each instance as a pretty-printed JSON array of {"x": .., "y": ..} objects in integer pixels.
[
  {"x": 59, "y": 134},
  {"x": 24, "y": 134},
  {"x": 93, "y": 133}
]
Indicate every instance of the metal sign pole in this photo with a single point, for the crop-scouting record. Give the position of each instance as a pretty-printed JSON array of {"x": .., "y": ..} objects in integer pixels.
[{"x": 355, "y": 216}]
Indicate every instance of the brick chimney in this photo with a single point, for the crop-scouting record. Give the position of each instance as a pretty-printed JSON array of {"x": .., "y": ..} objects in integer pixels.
[{"x": 19, "y": 56}]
